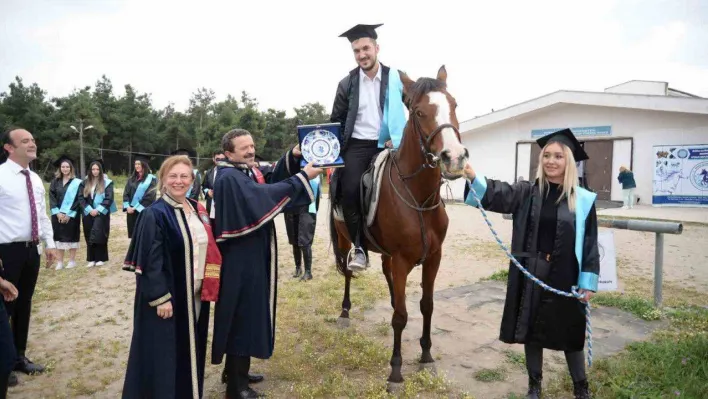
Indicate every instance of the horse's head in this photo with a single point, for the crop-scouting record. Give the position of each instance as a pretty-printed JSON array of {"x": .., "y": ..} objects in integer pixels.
[{"x": 432, "y": 114}]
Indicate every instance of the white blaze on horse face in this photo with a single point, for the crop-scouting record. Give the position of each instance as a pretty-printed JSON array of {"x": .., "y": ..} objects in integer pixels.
[{"x": 442, "y": 116}]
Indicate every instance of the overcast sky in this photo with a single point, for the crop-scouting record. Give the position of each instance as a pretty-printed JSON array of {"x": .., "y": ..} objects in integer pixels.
[{"x": 287, "y": 53}]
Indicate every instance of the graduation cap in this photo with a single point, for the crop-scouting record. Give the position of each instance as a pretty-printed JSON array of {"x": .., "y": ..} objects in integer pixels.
[
  {"x": 183, "y": 151},
  {"x": 360, "y": 31},
  {"x": 142, "y": 158},
  {"x": 566, "y": 137},
  {"x": 99, "y": 162},
  {"x": 61, "y": 159}
]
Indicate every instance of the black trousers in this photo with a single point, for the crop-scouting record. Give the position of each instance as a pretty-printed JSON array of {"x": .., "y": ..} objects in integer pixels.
[
  {"x": 97, "y": 252},
  {"x": 357, "y": 159},
  {"x": 21, "y": 268},
  {"x": 131, "y": 218},
  {"x": 7, "y": 351}
]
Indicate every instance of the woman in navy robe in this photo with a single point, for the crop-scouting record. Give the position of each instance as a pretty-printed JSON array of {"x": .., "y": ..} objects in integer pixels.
[
  {"x": 139, "y": 192},
  {"x": 173, "y": 255}
]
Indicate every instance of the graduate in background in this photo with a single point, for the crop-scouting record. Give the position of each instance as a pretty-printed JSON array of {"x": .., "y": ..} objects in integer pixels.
[
  {"x": 64, "y": 205},
  {"x": 244, "y": 319},
  {"x": 97, "y": 204},
  {"x": 196, "y": 186},
  {"x": 208, "y": 184},
  {"x": 175, "y": 258},
  {"x": 139, "y": 192},
  {"x": 300, "y": 225}
]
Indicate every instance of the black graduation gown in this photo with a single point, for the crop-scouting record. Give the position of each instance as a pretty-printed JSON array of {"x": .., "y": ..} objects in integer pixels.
[
  {"x": 70, "y": 231},
  {"x": 244, "y": 319},
  {"x": 530, "y": 314},
  {"x": 167, "y": 356},
  {"x": 148, "y": 198},
  {"x": 96, "y": 228}
]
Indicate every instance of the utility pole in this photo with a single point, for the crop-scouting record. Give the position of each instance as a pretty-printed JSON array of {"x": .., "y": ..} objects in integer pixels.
[{"x": 80, "y": 130}]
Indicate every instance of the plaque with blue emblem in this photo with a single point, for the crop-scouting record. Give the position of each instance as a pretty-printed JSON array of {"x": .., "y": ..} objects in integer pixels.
[{"x": 321, "y": 144}]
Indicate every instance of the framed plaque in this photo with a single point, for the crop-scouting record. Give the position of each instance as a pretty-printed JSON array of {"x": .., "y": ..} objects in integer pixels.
[{"x": 321, "y": 144}]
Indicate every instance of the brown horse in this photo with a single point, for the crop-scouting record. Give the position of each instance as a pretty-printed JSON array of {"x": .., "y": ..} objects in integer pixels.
[{"x": 414, "y": 227}]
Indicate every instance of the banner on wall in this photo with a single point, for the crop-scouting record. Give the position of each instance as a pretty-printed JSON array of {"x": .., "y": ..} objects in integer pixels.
[
  {"x": 680, "y": 175},
  {"x": 607, "y": 280},
  {"x": 577, "y": 131}
]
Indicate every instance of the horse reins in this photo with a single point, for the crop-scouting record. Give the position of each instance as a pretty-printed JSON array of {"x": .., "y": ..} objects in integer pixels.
[{"x": 430, "y": 161}]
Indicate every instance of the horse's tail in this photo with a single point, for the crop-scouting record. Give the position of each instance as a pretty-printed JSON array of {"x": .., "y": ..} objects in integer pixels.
[{"x": 339, "y": 257}]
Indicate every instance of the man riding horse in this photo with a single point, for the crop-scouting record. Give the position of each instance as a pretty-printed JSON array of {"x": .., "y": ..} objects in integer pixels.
[{"x": 369, "y": 107}]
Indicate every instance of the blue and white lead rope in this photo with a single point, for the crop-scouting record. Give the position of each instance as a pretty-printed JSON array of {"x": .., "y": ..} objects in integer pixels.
[{"x": 574, "y": 292}]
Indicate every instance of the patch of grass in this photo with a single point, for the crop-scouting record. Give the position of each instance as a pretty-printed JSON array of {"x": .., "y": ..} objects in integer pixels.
[
  {"x": 515, "y": 358},
  {"x": 673, "y": 363},
  {"x": 490, "y": 375},
  {"x": 636, "y": 305},
  {"x": 499, "y": 275}
]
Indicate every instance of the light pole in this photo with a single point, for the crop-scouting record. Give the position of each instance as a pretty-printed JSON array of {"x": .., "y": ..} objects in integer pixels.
[{"x": 80, "y": 130}]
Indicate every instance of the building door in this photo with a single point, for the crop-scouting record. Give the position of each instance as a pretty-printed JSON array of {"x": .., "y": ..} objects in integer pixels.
[
  {"x": 535, "y": 153},
  {"x": 598, "y": 169}
]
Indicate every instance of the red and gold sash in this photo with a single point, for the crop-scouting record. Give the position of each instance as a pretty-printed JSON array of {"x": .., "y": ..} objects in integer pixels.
[{"x": 212, "y": 269}]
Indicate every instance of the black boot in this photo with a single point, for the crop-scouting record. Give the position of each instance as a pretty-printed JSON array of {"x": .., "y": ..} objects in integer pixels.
[
  {"x": 581, "y": 390},
  {"x": 297, "y": 254},
  {"x": 307, "y": 255},
  {"x": 356, "y": 262},
  {"x": 534, "y": 386}
]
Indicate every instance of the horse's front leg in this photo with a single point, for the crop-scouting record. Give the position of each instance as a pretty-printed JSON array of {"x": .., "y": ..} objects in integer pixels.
[
  {"x": 343, "y": 320},
  {"x": 386, "y": 269},
  {"x": 399, "y": 272},
  {"x": 430, "y": 271}
]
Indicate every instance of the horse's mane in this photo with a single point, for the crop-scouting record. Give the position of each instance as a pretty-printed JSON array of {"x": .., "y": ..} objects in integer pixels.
[{"x": 422, "y": 87}]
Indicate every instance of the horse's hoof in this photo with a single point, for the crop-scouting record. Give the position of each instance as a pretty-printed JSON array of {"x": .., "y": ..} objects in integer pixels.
[
  {"x": 343, "y": 322},
  {"x": 430, "y": 367},
  {"x": 394, "y": 387}
]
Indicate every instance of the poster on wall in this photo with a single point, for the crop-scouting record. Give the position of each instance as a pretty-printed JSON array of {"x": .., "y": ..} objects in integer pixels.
[
  {"x": 680, "y": 175},
  {"x": 607, "y": 280}
]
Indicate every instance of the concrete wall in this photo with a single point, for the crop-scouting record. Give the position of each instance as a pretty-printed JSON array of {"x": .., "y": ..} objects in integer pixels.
[{"x": 492, "y": 148}]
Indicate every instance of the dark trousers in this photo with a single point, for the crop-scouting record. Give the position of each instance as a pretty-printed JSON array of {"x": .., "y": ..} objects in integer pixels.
[
  {"x": 96, "y": 253},
  {"x": 357, "y": 159},
  {"x": 21, "y": 268},
  {"x": 534, "y": 362},
  {"x": 237, "y": 368},
  {"x": 7, "y": 351}
]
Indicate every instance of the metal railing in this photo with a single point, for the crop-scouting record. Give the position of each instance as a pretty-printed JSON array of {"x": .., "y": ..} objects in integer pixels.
[{"x": 654, "y": 226}]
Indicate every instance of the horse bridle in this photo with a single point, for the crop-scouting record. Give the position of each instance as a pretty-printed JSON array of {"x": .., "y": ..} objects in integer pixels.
[{"x": 430, "y": 161}]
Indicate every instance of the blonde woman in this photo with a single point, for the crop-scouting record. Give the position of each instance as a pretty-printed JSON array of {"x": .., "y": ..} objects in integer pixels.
[
  {"x": 555, "y": 237},
  {"x": 626, "y": 179},
  {"x": 175, "y": 258},
  {"x": 64, "y": 203},
  {"x": 98, "y": 204}
]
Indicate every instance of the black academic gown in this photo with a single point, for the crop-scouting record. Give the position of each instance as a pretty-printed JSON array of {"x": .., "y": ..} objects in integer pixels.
[
  {"x": 148, "y": 198},
  {"x": 167, "y": 356},
  {"x": 244, "y": 323},
  {"x": 530, "y": 314},
  {"x": 97, "y": 228},
  {"x": 70, "y": 231}
]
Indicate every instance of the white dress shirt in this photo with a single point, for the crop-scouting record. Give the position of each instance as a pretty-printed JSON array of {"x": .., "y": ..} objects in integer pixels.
[
  {"x": 368, "y": 118},
  {"x": 16, "y": 220},
  {"x": 212, "y": 212}
]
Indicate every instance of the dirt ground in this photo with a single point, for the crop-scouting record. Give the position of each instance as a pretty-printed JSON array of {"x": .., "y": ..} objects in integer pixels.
[{"x": 82, "y": 318}]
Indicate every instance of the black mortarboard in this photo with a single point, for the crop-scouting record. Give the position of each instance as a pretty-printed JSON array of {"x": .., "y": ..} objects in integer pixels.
[
  {"x": 100, "y": 162},
  {"x": 182, "y": 151},
  {"x": 360, "y": 31},
  {"x": 566, "y": 137},
  {"x": 61, "y": 159},
  {"x": 142, "y": 158}
]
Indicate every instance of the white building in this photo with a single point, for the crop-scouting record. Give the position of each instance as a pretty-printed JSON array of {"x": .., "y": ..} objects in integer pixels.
[{"x": 620, "y": 126}]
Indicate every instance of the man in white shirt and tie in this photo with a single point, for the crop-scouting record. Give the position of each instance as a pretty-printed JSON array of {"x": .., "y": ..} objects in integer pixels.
[
  {"x": 208, "y": 185},
  {"x": 23, "y": 224}
]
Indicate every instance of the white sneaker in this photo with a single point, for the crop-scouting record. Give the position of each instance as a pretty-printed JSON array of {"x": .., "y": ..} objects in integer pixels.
[
  {"x": 59, "y": 266},
  {"x": 99, "y": 263},
  {"x": 91, "y": 264},
  {"x": 71, "y": 264}
]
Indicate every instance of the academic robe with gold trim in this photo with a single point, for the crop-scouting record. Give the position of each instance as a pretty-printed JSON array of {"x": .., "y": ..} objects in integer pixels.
[
  {"x": 244, "y": 318},
  {"x": 167, "y": 356}
]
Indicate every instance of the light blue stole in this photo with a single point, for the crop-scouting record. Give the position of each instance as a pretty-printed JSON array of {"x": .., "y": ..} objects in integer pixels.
[
  {"x": 394, "y": 114},
  {"x": 139, "y": 194},
  {"x": 68, "y": 201},
  {"x": 98, "y": 198},
  {"x": 315, "y": 184}
]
